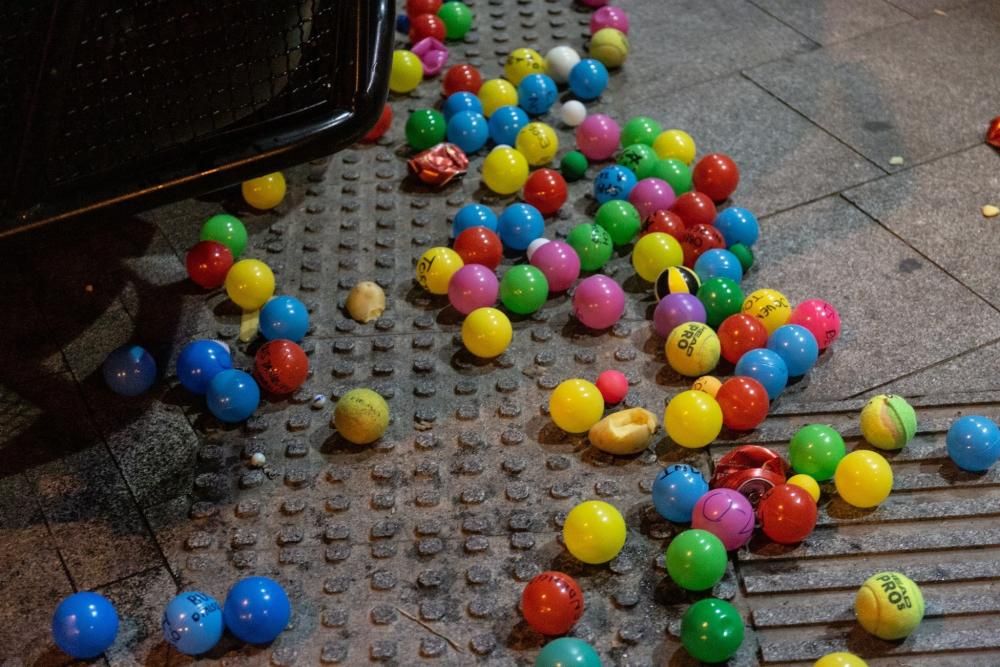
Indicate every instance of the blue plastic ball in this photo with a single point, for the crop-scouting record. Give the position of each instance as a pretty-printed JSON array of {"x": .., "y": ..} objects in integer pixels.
[
  {"x": 468, "y": 130},
  {"x": 403, "y": 24},
  {"x": 613, "y": 182},
  {"x": 84, "y": 625},
  {"x": 796, "y": 346},
  {"x": 974, "y": 443},
  {"x": 257, "y": 610},
  {"x": 192, "y": 623},
  {"x": 505, "y": 123},
  {"x": 718, "y": 263},
  {"x": 199, "y": 362},
  {"x": 232, "y": 396},
  {"x": 519, "y": 225},
  {"x": 676, "y": 490},
  {"x": 130, "y": 370},
  {"x": 766, "y": 367},
  {"x": 284, "y": 317},
  {"x": 737, "y": 225},
  {"x": 588, "y": 79},
  {"x": 461, "y": 101},
  {"x": 568, "y": 652},
  {"x": 473, "y": 215},
  {"x": 536, "y": 93}
]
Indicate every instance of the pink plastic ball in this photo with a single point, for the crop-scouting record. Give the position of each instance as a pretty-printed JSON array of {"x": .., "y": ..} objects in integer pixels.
[
  {"x": 559, "y": 263},
  {"x": 609, "y": 17},
  {"x": 473, "y": 286},
  {"x": 597, "y": 137},
  {"x": 598, "y": 302},
  {"x": 594, "y": 3},
  {"x": 727, "y": 514},
  {"x": 820, "y": 318},
  {"x": 613, "y": 386},
  {"x": 650, "y": 195}
]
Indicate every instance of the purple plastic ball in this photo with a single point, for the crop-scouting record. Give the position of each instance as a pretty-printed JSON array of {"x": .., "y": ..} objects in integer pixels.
[
  {"x": 559, "y": 263},
  {"x": 727, "y": 514},
  {"x": 674, "y": 310},
  {"x": 609, "y": 17},
  {"x": 597, "y": 137},
  {"x": 473, "y": 286},
  {"x": 651, "y": 195},
  {"x": 598, "y": 302}
]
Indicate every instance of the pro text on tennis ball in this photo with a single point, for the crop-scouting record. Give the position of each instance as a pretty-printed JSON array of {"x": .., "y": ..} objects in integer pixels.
[
  {"x": 361, "y": 416},
  {"x": 610, "y": 47},
  {"x": 889, "y": 605},
  {"x": 888, "y": 422},
  {"x": 840, "y": 659},
  {"x": 692, "y": 349}
]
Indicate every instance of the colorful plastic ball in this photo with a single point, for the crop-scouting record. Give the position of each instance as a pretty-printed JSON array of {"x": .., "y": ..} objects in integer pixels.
[
  {"x": 696, "y": 560},
  {"x": 609, "y": 47},
  {"x": 743, "y": 253},
  {"x": 227, "y": 230},
  {"x": 787, "y": 514},
  {"x": 534, "y": 246},
  {"x": 716, "y": 175},
  {"x": 739, "y": 334},
  {"x": 505, "y": 170},
  {"x": 654, "y": 253},
  {"x": 697, "y": 240},
  {"x": 820, "y": 318},
  {"x": 674, "y": 172},
  {"x": 594, "y": 3},
  {"x": 666, "y": 222},
  {"x": 486, "y": 332},
  {"x": 816, "y": 450},
  {"x": 538, "y": 143},
  {"x": 640, "y": 130},
  {"x": 403, "y": 24},
  {"x": 640, "y": 159},
  {"x": 566, "y": 652},
  {"x": 676, "y": 145},
  {"x": 594, "y": 531},
  {"x": 199, "y": 362},
  {"x": 769, "y": 306},
  {"x": 588, "y": 79},
  {"x": 676, "y": 490},
  {"x": 712, "y": 630},
  {"x": 192, "y": 622},
  {"x": 719, "y": 263},
  {"x": 461, "y": 78},
  {"x": 232, "y": 396},
  {"x": 425, "y": 128},
  {"x": 479, "y": 245},
  {"x": 974, "y": 443},
  {"x": 436, "y": 267},
  {"x": 284, "y": 317},
  {"x": 619, "y": 219},
  {"x": 575, "y": 406},
  {"x": 473, "y": 286},
  {"x": 695, "y": 208},
  {"x": 84, "y": 625},
  {"x": 407, "y": 71},
  {"x": 676, "y": 309},
  {"x": 536, "y": 93},
  {"x": 613, "y": 386},
  {"x": 552, "y": 603},
  {"x": 863, "y": 478},
  {"x": 129, "y": 370},
  {"x": 423, "y": 26},
  {"x": 693, "y": 419},
  {"x": 708, "y": 384},
  {"x": 505, "y": 123},
  {"x": 573, "y": 166},
  {"x": 744, "y": 403},
  {"x": 592, "y": 244},
  {"x": 207, "y": 264},
  {"x": 597, "y": 136},
  {"x": 559, "y": 62},
  {"x": 560, "y": 264},
  {"x": 468, "y": 130},
  {"x": 727, "y": 514},
  {"x": 523, "y": 289},
  {"x": 257, "y": 610},
  {"x": 572, "y": 113},
  {"x": 840, "y": 659},
  {"x": 766, "y": 367},
  {"x": 545, "y": 189},
  {"x": 692, "y": 349},
  {"x": 457, "y": 19},
  {"x": 806, "y": 483},
  {"x": 496, "y": 93},
  {"x": 418, "y": 7},
  {"x": 519, "y": 225},
  {"x": 598, "y": 302},
  {"x": 737, "y": 225},
  {"x": 521, "y": 63},
  {"x": 381, "y": 126},
  {"x": 796, "y": 346},
  {"x": 250, "y": 283},
  {"x": 889, "y": 605},
  {"x": 281, "y": 366},
  {"x": 610, "y": 17},
  {"x": 613, "y": 182},
  {"x": 473, "y": 215},
  {"x": 265, "y": 192},
  {"x": 461, "y": 101},
  {"x": 649, "y": 195},
  {"x": 676, "y": 280},
  {"x": 722, "y": 297}
]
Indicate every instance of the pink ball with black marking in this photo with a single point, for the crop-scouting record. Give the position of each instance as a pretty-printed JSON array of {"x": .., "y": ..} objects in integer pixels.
[{"x": 727, "y": 514}]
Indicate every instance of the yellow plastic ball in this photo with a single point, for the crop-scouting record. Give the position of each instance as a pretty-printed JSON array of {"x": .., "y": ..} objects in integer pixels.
[
  {"x": 692, "y": 349},
  {"x": 594, "y": 532},
  {"x": 675, "y": 144},
  {"x": 250, "y": 284},
  {"x": 693, "y": 419},
  {"x": 496, "y": 93},
  {"x": 265, "y": 192},
  {"x": 655, "y": 252},
  {"x": 806, "y": 482},
  {"x": 708, "y": 384},
  {"x": 505, "y": 170},
  {"x": 769, "y": 306},
  {"x": 840, "y": 659},
  {"x": 436, "y": 267},
  {"x": 610, "y": 47},
  {"x": 407, "y": 71},
  {"x": 576, "y": 405},
  {"x": 538, "y": 143},
  {"x": 522, "y": 62},
  {"x": 863, "y": 478},
  {"x": 486, "y": 332}
]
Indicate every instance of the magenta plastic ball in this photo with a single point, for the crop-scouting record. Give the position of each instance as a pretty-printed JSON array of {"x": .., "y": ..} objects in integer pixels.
[
  {"x": 727, "y": 514},
  {"x": 473, "y": 286},
  {"x": 597, "y": 136},
  {"x": 594, "y": 3},
  {"x": 650, "y": 195},
  {"x": 598, "y": 302},
  {"x": 674, "y": 310},
  {"x": 559, "y": 263},
  {"x": 609, "y": 17},
  {"x": 820, "y": 318}
]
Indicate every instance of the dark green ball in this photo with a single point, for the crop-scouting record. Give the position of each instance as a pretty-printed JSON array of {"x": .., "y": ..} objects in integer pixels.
[
  {"x": 744, "y": 254},
  {"x": 574, "y": 166},
  {"x": 425, "y": 128},
  {"x": 640, "y": 158},
  {"x": 721, "y": 297},
  {"x": 592, "y": 244}
]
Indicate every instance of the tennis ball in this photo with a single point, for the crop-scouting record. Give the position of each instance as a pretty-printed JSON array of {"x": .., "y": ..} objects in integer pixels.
[
  {"x": 806, "y": 482},
  {"x": 692, "y": 349},
  {"x": 361, "y": 416},
  {"x": 610, "y": 47},
  {"x": 889, "y": 605},
  {"x": 888, "y": 422},
  {"x": 840, "y": 659}
]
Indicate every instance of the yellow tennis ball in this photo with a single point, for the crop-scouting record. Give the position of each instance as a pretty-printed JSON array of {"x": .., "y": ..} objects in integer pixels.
[
  {"x": 692, "y": 349},
  {"x": 610, "y": 47},
  {"x": 888, "y": 422},
  {"x": 496, "y": 93},
  {"x": 769, "y": 306},
  {"x": 806, "y": 482},
  {"x": 406, "y": 73},
  {"x": 889, "y": 605},
  {"x": 436, "y": 267},
  {"x": 675, "y": 144},
  {"x": 361, "y": 416},
  {"x": 522, "y": 62},
  {"x": 840, "y": 659},
  {"x": 250, "y": 283},
  {"x": 708, "y": 384},
  {"x": 538, "y": 143}
]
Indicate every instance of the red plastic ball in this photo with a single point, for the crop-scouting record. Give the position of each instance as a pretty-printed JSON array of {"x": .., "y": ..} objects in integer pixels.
[
  {"x": 695, "y": 208},
  {"x": 716, "y": 175},
  {"x": 698, "y": 240},
  {"x": 426, "y": 25},
  {"x": 613, "y": 386},
  {"x": 552, "y": 603},
  {"x": 787, "y": 514},
  {"x": 418, "y": 7},
  {"x": 281, "y": 366},
  {"x": 461, "y": 78},
  {"x": 208, "y": 262},
  {"x": 744, "y": 403},
  {"x": 545, "y": 189},
  {"x": 738, "y": 334},
  {"x": 479, "y": 245},
  {"x": 381, "y": 125},
  {"x": 665, "y": 221}
]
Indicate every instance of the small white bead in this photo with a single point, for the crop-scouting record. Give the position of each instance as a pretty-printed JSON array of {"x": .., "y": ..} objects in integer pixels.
[
  {"x": 258, "y": 460},
  {"x": 573, "y": 112}
]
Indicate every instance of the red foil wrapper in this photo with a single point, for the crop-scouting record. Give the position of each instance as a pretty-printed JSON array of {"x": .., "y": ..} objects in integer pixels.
[
  {"x": 993, "y": 132},
  {"x": 751, "y": 469},
  {"x": 439, "y": 164}
]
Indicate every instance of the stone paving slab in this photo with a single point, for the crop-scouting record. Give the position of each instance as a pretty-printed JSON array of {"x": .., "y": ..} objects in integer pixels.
[{"x": 831, "y": 21}]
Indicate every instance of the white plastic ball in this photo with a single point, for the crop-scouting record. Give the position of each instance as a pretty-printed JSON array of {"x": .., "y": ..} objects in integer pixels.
[
  {"x": 559, "y": 61},
  {"x": 573, "y": 112},
  {"x": 535, "y": 245}
]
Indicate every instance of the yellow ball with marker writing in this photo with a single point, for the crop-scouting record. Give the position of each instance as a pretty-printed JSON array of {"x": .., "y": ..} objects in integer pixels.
[
  {"x": 769, "y": 306},
  {"x": 436, "y": 267},
  {"x": 708, "y": 384}
]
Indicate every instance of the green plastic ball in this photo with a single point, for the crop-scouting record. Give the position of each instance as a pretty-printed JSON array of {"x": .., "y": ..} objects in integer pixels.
[
  {"x": 816, "y": 450},
  {"x": 568, "y": 652},
  {"x": 640, "y": 130},
  {"x": 674, "y": 172},
  {"x": 425, "y": 128},
  {"x": 696, "y": 560},
  {"x": 227, "y": 230},
  {"x": 592, "y": 244},
  {"x": 523, "y": 289},
  {"x": 620, "y": 220},
  {"x": 721, "y": 297},
  {"x": 712, "y": 630},
  {"x": 640, "y": 158},
  {"x": 574, "y": 166},
  {"x": 744, "y": 254},
  {"x": 457, "y": 18}
]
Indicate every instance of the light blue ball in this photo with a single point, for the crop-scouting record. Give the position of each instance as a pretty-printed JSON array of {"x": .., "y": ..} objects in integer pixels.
[
  {"x": 613, "y": 182},
  {"x": 519, "y": 225},
  {"x": 796, "y": 346},
  {"x": 468, "y": 130},
  {"x": 718, "y": 263},
  {"x": 192, "y": 623},
  {"x": 588, "y": 79},
  {"x": 284, "y": 317},
  {"x": 461, "y": 101},
  {"x": 84, "y": 625},
  {"x": 737, "y": 225},
  {"x": 974, "y": 443},
  {"x": 232, "y": 396},
  {"x": 505, "y": 123},
  {"x": 676, "y": 490},
  {"x": 129, "y": 371},
  {"x": 473, "y": 215},
  {"x": 257, "y": 610},
  {"x": 766, "y": 367},
  {"x": 536, "y": 93}
]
